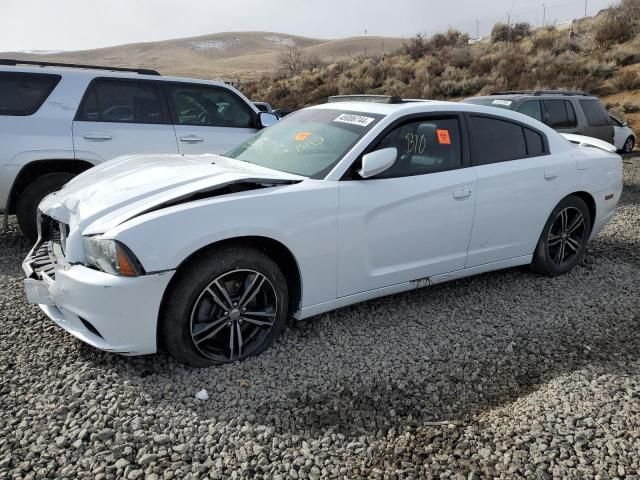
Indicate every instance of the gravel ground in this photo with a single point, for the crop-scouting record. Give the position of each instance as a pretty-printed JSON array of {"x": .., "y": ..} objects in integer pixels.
[{"x": 507, "y": 374}]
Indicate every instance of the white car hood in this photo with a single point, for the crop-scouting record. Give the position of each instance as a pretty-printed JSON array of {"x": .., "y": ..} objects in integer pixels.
[{"x": 120, "y": 189}]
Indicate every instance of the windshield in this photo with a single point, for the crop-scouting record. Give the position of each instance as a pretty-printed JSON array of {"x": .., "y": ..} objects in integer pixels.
[
  {"x": 491, "y": 102},
  {"x": 308, "y": 142}
]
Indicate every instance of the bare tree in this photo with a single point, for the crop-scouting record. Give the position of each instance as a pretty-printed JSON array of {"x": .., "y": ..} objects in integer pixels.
[{"x": 292, "y": 60}]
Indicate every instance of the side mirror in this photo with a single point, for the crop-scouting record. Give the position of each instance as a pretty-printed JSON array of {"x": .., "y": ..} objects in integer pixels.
[
  {"x": 266, "y": 119},
  {"x": 377, "y": 162}
]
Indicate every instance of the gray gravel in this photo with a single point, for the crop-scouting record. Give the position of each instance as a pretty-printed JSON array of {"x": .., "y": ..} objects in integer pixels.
[{"x": 507, "y": 374}]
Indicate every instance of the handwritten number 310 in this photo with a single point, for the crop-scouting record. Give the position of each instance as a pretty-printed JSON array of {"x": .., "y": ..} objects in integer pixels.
[{"x": 416, "y": 144}]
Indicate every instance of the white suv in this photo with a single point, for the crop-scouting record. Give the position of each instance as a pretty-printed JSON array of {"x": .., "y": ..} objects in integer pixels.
[{"x": 58, "y": 120}]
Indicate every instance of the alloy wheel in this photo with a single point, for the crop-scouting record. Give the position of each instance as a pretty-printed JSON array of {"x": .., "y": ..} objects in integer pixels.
[
  {"x": 233, "y": 315},
  {"x": 566, "y": 236},
  {"x": 628, "y": 145}
]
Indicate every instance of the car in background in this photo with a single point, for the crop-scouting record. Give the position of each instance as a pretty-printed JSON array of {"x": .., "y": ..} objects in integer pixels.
[
  {"x": 263, "y": 106},
  {"x": 565, "y": 111},
  {"x": 58, "y": 120},
  {"x": 283, "y": 112},
  {"x": 207, "y": 256},
  {"x": 624, "y": 137}
]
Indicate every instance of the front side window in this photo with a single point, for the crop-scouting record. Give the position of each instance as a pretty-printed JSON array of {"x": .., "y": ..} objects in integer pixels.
[
  {"x": 532, "y": 109},
  {"x": 558, "y": 115},
  {"x": 22, "y": 94},
  {"x": 615, "y": 122},
  {"x": 424, "y": 146},
  {"x": 209, "y": 107},
  {"x": 308, "y": 142},
  {"x": 596, "y": 114},
  {"x": 122, "y": 101}
]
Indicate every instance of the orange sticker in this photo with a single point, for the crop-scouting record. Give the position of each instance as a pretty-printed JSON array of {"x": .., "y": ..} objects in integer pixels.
[
  {"x": 443, "y": 137},
  {"x": 302, "y": 136}
]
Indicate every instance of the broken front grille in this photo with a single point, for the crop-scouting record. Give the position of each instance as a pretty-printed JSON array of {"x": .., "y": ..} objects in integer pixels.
[{"x": 43, "y": 258}]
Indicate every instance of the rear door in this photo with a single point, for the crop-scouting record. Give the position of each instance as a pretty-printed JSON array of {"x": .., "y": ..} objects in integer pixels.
[
  {"x": 122, "y": 117},
  {"x": 518, "y": 184},
  {"x": 208, "y": 118},
  {"x": 598, "y": 122}
]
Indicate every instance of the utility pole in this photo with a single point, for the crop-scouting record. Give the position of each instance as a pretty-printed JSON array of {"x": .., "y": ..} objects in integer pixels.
[
  {"x": 477, "y": 29},
  {"x": 585, "y": 8},
  {"x": 509, "y": 18},
  {"x": 544, "y": 14}
]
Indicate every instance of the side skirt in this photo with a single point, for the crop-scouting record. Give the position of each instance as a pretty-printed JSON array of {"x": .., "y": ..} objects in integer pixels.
[{"x": 317, "y": 309}]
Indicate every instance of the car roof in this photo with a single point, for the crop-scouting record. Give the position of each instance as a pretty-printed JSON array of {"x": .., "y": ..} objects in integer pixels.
[
  {"x": 386, "y": 108},
  {"x": 530, "y": 96},
  {"x": 94, "y": 72}
]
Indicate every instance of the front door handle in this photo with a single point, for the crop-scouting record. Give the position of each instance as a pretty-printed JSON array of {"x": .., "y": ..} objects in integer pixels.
[
  {"x": 464, "y": 193},
  {"x": 97, "y": 137},
  {"x": 191, "y": 139},
  {"x": 550, "y": 175}
]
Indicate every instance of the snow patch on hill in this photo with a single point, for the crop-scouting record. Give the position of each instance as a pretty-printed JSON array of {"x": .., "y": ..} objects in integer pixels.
[
  {"x": 284, "y": 41},
  {"x": 222, "y": 44}
]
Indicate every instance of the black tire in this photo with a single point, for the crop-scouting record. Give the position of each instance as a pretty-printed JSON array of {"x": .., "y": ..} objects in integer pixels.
[
  {"x": 32, "y": 195},
  {"x": 568, "y": 227},
  {"x": 190, "y": 307},
  {"x": 629, "y": 143}
]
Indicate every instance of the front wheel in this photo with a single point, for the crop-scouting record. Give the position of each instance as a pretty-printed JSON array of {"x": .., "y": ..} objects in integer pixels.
[
  {"x": 223, "y": 307},
  {"x": 564, "y": 238},
  {"x": 628, "y": 145}
]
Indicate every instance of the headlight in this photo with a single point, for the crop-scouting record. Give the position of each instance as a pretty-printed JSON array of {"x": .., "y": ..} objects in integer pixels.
[{"x": 110, "y": 256}]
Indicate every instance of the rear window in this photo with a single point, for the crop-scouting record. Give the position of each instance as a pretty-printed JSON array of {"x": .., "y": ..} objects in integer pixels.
[
  {"x": 22, "y": 94},
  {"x": 123, "y": 101},
  {"x": 596, "y": 114}
]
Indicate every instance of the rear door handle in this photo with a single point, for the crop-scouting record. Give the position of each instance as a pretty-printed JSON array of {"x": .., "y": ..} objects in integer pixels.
[
  {"x": 97, "y": 137},
  {"x": 550, "y": 175},
  {"x": 464, "y": 193},
  {"x": 191, "y": 139}
]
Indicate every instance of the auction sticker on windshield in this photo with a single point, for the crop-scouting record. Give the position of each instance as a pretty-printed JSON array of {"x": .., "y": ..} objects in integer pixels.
[{"x": 354, "y": 119}]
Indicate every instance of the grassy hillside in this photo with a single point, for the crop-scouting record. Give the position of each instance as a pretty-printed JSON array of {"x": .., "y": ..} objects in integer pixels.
[
  {"x": 601, "y": 56},
  {"x": 231, "y": 54}
]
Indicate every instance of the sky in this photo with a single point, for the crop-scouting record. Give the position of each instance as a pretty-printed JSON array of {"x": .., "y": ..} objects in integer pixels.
[{"x": 85, "y": 24}]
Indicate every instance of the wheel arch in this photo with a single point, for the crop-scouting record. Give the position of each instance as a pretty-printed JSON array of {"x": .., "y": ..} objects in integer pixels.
[
  {"x": 38, "y": 168},
  {"x": 591, "y": 204},
  {"x": 274, "y": 249}
]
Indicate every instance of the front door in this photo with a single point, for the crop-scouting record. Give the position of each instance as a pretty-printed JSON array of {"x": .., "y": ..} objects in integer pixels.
[
  {"x": 209, "y": 119},
  {"x": 412, "y": 221}
]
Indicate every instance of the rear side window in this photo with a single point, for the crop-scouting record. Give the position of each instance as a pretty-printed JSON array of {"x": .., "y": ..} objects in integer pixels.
[
  {"x": 559, "y": 114},
  {"x": 22, "y": 94},
  {"x": 535, "y": 143},
  {"x": 123, "y": 101},
  {"x": 532, "y": 109},
  {"x": 496, "y": 140},
  {"x": 596, "y": 114}
]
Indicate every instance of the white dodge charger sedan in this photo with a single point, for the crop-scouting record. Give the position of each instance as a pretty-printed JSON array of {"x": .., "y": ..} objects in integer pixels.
[{"x": 206, "y": 256}]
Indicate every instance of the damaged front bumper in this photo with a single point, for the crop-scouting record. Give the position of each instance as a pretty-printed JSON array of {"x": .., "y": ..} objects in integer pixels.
[{"x": 109, "y": 312}]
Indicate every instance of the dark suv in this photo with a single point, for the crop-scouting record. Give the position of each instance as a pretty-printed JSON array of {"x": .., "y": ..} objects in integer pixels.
[{"x": 564, "y": 111}]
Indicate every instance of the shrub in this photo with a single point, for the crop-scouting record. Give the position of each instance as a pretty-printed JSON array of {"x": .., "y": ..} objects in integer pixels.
[
  {"x": 507, "y": 33},
  {"x": 628, "y": 107},
  {"x": 626, "y": 80},
  {"x": 612, "y": 28}
]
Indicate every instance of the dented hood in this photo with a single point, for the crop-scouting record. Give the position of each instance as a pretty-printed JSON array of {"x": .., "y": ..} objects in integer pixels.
[{"x": 123, "y": 188}]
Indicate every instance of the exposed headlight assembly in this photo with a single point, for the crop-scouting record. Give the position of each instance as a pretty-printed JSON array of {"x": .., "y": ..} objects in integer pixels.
[{"x": 110, "y": 256}]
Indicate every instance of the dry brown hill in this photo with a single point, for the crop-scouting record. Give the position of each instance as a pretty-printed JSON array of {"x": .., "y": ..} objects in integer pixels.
[{"x": 230, "y": 54}]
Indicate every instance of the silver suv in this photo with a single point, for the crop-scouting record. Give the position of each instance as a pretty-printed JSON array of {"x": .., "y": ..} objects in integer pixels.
[
  {"x": 562, "y": 110},
  {"x": 57, "y": 120}
]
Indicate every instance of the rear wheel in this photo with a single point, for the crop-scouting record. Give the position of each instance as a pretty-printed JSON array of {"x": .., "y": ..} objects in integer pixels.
[
  {"x": 32, "y": 195},
  {"x": 224, "y": 307},
  {"x": 564, "y": 238}
]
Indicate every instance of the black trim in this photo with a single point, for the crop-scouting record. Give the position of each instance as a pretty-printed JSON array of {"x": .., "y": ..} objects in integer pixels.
[
  {"x": 166, "y": 119},
  {"x": 13, "y": 62},
  {"x": 545, "y": 140},
  {"x": 351, "y": 173},
  {"x": 55, "y": 80},
  {"x": 174, "y": 115}
]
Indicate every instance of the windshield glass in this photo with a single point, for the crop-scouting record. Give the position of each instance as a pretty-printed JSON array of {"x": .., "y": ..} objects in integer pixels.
[
  {"x": 308, "y": 142},
  {"x": 492, "y": 102}
]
